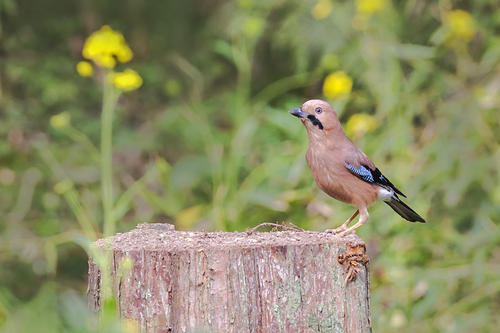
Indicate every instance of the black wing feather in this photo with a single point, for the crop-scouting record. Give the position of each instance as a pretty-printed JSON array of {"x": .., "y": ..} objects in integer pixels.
[{"x": 372, "y": 176}]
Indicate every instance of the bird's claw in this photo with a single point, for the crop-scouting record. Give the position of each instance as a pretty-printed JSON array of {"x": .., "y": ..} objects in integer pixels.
[
  {"x": 336, "y": 231},
  {"x": 345, "y": 233},
  {"x": 341, "y": 232}
]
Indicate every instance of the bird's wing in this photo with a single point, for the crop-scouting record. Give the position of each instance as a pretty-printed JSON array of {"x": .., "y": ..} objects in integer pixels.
[
  {"x": 372, "y": 176},
  {"x": 361, "y": 166}
]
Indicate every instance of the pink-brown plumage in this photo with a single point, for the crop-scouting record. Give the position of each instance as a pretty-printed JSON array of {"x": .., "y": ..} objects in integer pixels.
[
  {"x": 329, "y": 155},
  {"x": 336, "y": 181}
]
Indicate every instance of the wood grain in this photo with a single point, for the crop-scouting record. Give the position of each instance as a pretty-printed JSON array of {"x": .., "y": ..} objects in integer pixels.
[{"x": 289, "y": 281}]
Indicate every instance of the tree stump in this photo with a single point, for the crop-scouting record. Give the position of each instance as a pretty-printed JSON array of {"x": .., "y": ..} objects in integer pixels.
[{"x": 288, "y": 281}]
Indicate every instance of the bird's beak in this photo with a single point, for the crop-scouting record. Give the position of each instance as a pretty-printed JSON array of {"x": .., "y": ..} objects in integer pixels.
[{"x": 297, "y": 112}]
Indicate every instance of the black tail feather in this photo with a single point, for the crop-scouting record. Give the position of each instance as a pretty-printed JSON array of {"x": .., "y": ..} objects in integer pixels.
[{"x": 404, "y": 210}]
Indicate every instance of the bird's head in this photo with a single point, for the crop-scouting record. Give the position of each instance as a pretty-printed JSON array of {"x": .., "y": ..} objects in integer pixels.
[{"x": 317, "y": 116}]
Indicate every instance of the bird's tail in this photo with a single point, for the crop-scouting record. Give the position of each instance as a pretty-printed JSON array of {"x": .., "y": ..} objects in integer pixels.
[{"x": 404, "y": 210}]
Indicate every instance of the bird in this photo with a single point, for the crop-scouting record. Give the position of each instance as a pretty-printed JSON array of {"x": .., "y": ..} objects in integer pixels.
[{"x": 342, "y": 170}]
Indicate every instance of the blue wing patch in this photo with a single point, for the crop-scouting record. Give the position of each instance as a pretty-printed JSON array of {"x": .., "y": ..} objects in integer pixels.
[
  {"x": 372, "y": 176},
  {"x": 362, "y": 172}
]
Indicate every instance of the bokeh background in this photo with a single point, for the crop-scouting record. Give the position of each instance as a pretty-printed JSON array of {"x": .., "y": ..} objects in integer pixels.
[{"x": 206, "y": 142}]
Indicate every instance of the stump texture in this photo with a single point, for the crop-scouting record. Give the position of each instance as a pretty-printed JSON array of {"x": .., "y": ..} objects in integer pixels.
[{"x": 289, "y": 281}]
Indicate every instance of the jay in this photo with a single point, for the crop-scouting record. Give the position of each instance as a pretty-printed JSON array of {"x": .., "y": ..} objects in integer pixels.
[{"x": 342, "y": 170}]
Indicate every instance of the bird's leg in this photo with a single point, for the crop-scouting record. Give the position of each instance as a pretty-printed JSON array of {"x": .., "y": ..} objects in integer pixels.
[
  {"x": 363, "y": 217},
  {"x": 344, "y": 225}
]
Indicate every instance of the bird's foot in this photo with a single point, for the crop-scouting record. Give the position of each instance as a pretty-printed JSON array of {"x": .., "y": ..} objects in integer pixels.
[
  {"x": 346, "y": 233},
  {"x": 336, "y": 231},
  {"x": 340, "y": 231}
]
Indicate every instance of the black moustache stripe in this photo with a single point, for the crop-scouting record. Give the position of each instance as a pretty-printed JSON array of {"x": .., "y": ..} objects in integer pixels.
[{"x": 315, "y": 121}]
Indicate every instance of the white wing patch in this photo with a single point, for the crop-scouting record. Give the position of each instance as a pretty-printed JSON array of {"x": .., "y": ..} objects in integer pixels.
[{"x": 385, "y": 194}]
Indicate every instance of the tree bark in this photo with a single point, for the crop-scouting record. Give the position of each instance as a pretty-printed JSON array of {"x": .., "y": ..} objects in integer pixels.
[{"x": 288, "y": 281}]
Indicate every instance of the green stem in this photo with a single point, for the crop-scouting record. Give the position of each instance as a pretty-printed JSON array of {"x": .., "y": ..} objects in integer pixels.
[
  {"x": 82, "y": 139},
  {"x": 108, "y": 104},
  {"x": 73, "y": 200}
]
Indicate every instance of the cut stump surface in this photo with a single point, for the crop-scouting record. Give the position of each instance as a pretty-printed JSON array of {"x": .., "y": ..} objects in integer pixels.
[{"x": 288, "y": 281}]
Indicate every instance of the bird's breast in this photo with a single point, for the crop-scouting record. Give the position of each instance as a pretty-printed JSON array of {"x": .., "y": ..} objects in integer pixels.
[
  {"x": 333, "y": 178},
  {"x": 327, "y": 175}
]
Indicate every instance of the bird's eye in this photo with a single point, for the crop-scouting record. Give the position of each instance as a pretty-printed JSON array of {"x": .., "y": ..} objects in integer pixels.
[{"x": 318, "y": 110}]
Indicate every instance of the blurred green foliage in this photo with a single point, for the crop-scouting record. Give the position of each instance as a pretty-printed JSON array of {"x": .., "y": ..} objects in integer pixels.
[{"x": 206, "y": 143}]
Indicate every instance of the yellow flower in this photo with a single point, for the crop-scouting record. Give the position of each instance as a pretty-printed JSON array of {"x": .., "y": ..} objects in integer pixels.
[
  {"x": 105, "y": 46},
  {"x": 106, "y": 61},
  {"x": 460, "y": 24},
  {"x": 322, "y": 9},
  {"x": 369, "y": 6},
  {"x": 337, "y": 84},
  {"x": 127, "y": 80},
  {"x": 84, "y": 68},
  {"x": 360, "y": 123},
  {"x": 60, "y": 120}
]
